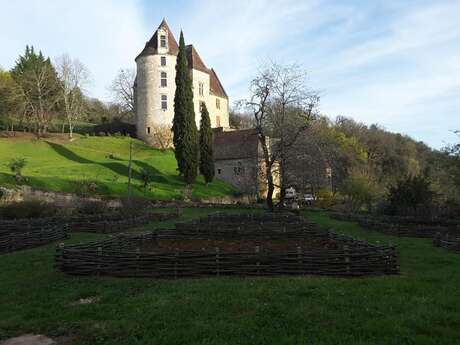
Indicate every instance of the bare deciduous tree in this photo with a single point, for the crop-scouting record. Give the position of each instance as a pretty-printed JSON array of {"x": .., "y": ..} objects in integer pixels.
[
  {"x": 73, "y": 76},
  {"x": 162, "y": 136},
  {"x": 282, "y": 106},
  {"x": 122, "y": 90}
]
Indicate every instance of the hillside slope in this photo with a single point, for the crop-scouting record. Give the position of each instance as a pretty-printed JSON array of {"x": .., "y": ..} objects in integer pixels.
[{"x": 59, "y": 165}]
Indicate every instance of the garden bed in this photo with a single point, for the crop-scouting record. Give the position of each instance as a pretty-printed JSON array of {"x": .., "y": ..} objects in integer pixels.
[{"x": 251, "y": 246}]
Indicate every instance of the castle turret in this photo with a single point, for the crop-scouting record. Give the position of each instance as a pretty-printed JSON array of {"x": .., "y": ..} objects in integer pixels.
[
  {"x": 155, "y": 86},
  {"x": 155, "y": 82}
]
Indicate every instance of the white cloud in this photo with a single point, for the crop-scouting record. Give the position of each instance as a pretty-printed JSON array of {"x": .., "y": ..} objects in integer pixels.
[
  {"x": 395, "y": 63},
  {"x": 105, "y": 35}
]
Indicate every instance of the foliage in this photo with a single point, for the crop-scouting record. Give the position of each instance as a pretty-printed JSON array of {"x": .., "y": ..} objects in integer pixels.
[
  {"x": 410, "y": 195},
  {"x": 28, "y": 209},
  {"x": 359, "y": 191},
  {"x": 12, "y": 102},
  {"x": 324, "y": 198},
  {"x": 184, "y": 126},
  {"x": 206, "y": 149},
  {"x": 16, "y": 165},
  {"x": 146, "y": 176},
  {"x": 91, "y": 207}
]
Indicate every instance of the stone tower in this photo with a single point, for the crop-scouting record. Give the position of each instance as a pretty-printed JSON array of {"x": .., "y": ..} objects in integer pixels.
[{"x": 155, "y": 85}]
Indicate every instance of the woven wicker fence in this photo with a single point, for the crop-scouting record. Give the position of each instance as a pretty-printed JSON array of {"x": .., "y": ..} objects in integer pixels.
[
  {"x": 391, "y": 226},
  {"x": 447, "y": 241},
  {"x": 121, "y": 256},
  {"x": 12, "y": 241},
  {"x": 108, "y": 223}
]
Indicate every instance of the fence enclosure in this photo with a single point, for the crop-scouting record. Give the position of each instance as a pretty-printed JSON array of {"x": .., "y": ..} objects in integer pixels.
[{"x": 126, "y": 256}]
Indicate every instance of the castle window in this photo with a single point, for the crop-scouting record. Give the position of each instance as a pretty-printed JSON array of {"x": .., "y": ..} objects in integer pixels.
[
  {"x": 219, "y": 171},
  {"x": 163, "y": 61},
  {"x": 217, "y": 103},
  {"x": 163, "y": 41},
  {"x": 201, "y": 89},
  {"x": 164, "y": 79},
  {"x": 148, "y": 130},
  {"x": 164, "y": 102}
]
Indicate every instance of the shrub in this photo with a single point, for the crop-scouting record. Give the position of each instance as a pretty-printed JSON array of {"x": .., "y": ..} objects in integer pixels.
[
  {"x": 324, "y": 199},
  {"x": 28, "y": 209},
  {"x": 134, "y": 205},
  {"x": 359, "y": 191},
  {"x": 92, "y": 207},
  {"x": 410, "y": 196},
  {"x": 146, "y": 176},
  {"x": 16, "y": 165}
]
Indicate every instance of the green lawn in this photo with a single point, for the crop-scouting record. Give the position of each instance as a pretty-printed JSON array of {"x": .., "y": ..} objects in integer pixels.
[
  {"x": 421, "y": 306},
  {"x": 63, "y": 166}
]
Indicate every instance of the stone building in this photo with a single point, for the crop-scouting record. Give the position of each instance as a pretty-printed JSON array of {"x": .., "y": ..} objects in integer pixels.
[
  {"x": 155, "y": 85},
  {"x": 238, "y": 160}
]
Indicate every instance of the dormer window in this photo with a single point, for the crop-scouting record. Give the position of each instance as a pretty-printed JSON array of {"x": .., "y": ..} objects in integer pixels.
[
  {"x": 164, "y": 79},
  {"x": 163, "y": 41}
]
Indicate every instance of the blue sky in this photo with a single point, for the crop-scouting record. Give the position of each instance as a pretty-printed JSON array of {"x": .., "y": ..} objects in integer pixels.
[{"x": 396, "y": 63}]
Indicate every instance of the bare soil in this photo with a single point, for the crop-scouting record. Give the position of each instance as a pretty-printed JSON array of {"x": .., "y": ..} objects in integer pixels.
[{"x": 240, "y": 245}]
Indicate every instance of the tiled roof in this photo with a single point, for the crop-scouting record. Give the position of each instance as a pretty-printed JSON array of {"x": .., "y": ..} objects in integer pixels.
[
  {"x": 194, "y": 60},
  {"x": 151, "y": 47},
  {"x": 239, "y": 144},
  {"x": 215, "y": 85}
]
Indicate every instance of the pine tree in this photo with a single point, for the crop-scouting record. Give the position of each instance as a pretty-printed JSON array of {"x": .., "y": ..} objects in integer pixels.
[
  {"x": 184, "y": 126},
  {"x": 206, "y": 152}
]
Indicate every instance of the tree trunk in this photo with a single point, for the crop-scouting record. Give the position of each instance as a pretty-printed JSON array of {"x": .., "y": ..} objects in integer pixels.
[{"x": 268, "y": 172}]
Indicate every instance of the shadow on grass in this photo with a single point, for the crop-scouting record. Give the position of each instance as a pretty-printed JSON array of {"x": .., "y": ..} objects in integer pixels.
[
  {"x": 68, "y": 154},
  {"x": 116, "y": 167}
]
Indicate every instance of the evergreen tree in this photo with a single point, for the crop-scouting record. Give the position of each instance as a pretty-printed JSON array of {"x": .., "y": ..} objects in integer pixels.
[
  {"x": 39, "y": 84},
  {"x": 184, "y": 126},
  {"x": 206, "y": 152}
]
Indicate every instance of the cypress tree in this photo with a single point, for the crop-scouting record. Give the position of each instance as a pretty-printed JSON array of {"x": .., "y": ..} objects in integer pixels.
[
  {"x": 206, "y": 152},
  {"x": 184, "y": 126}
]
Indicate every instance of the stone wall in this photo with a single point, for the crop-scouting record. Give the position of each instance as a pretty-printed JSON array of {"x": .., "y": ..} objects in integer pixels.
[
  {"x": 240, "y": 173},
  {"x": 64, "y": 200}
]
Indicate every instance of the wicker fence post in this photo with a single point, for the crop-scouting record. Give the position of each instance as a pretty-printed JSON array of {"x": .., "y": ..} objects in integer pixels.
[
  {"x": 176, "y": 260},
  {"x": 299, "y": 258},
  {"x": 138, "y": 254},
  {"x": 99, "y": 258},
  {"x": 347, "y": 259},
  {"x": 257, "y": 251},
  {"x": 217, "y": 262}
]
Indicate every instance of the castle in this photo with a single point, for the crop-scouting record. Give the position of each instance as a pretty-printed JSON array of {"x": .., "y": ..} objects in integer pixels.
[{"x": 155, "y": 86}]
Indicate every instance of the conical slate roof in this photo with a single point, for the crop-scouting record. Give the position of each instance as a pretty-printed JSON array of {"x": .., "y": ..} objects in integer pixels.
[
  {"x": 193, "y": 58},
  {"x": 151, "y": 47}
]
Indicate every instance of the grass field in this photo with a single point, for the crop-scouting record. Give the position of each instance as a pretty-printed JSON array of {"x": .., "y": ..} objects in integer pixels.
[
  {"x": 61, "y": 165},
  {"x": 421, "y": 306}
]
